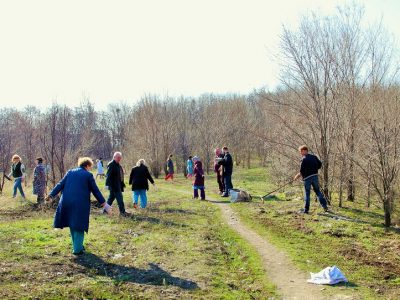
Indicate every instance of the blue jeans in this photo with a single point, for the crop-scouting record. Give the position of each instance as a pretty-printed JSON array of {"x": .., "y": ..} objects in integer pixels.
[
  {"x": 77, "y": 240},
  {"x": 18, "y": 184},
  {"x": 120, "y": 200},
  {"x": 313, "y": 182},
  {"x": 227, "y": 183},
  {"x": 143, "y": 197}
]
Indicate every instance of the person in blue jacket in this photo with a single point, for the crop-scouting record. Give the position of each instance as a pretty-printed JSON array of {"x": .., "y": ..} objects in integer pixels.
[
  {"x": 189, "y": 167},
  {"x": 74, "y": 207}
]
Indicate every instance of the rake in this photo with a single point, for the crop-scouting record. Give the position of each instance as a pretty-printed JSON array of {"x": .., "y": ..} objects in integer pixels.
[{"x": 277, "y": 189}]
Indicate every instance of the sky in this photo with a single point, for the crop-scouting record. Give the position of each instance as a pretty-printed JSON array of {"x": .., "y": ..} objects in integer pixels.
[{"x": 111, "y": 51}]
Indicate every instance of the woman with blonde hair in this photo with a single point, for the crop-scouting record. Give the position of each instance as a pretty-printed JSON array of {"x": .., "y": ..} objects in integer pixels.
[
  {"x": 139, "y": 178},
  {"x": 74, "y": 207},
  {"x": 18, "y": 173}
]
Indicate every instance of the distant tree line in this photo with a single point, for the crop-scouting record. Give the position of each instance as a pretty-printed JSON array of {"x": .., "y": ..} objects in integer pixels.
[{"x": 339, "y": 95}]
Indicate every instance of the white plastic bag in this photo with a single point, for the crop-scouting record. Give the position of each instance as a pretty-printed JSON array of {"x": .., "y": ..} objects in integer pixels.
[{"x": 330, "y": 275}]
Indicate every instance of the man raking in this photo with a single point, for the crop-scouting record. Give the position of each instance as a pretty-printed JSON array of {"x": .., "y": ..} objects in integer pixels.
[{"x": 310, "y": 164}]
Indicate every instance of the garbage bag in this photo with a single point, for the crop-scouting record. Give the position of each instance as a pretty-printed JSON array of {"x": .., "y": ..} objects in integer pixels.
[{"x": 330, "y": 275}]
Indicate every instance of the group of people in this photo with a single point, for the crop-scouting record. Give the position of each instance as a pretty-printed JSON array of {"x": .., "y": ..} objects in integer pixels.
[
  {"x": 18, "y": 173},
  {"x": 76, "y": 186},
  {"x": 74, "y": 207},
  {"x": 223, "y": 167}
]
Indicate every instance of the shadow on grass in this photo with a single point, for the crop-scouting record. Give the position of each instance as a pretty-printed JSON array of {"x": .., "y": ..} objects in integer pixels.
[
  {"x": 366, "y": 213},
  {"x": 172, "y": 211},
  {"x": 269, "y": 198},
  {"x": 338, "y": 216},
  {"x": 218, "y": 201},
  {"x": 346, "y": 284},
  {"x": 152, "y": 276}
]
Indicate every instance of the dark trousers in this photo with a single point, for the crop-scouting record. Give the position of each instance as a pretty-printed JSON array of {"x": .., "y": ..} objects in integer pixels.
[
  {"x": 220, "y": 181},
  {"x": 227, "y": 183},
  {"x": 120, "y": 200},
  {"x": 313, "y": 182},
  {"x": 202, "y": 193}
]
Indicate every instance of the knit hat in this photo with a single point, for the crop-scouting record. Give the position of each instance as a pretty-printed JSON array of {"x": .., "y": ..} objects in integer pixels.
[{"x": 195, "y": 158}]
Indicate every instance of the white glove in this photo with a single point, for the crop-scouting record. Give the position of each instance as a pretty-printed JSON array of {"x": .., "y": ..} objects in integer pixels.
[{"x": 107, "y": 208}]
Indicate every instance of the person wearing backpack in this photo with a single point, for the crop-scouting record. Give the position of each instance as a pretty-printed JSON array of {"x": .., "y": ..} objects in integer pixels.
[
  {"x": 310, "y": 164},
  {"x": 18, "y": 173}
]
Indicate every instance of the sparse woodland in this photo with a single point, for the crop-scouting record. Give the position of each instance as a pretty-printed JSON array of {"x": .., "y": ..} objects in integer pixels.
[{"x": 339, "y": 94}]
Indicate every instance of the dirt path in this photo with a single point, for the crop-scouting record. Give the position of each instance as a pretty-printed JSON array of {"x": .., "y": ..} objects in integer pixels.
[{"x": 289, "y": 280}]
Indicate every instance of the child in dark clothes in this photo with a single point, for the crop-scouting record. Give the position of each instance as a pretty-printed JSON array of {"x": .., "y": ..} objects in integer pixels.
[{"x": 198, "y": 183}]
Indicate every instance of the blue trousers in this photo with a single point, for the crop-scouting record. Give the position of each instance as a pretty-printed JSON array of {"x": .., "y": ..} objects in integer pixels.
[
  {"x": 313, "y": 182},
  {"x": 120, "y": 200},
  {"x": 77, "y": 240},
  {"x": 227, "y": 183},
  {"x": 18, "y": 185},
  {"x": 143, "y": 197}
]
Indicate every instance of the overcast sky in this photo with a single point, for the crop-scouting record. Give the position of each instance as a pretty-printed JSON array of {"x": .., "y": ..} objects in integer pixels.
[{"x": 114, "y": 51}]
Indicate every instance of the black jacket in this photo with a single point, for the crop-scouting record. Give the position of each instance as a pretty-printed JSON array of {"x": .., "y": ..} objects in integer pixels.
[
  {"x": 17, "y": 170},
  {"x": 310, "y": 164},
  {"x": 138, "y": 178},
  {"x": 227, "y": 162},
  {"x": 114, "y": 177}
]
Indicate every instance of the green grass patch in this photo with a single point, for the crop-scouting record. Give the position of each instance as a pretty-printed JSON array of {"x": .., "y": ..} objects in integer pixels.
[
  {"x": 352, "y": 238},
  {"x": 176, "y": 248}
]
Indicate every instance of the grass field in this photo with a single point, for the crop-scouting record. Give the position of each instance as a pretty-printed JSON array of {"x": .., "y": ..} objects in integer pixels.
[
  {"x": 177, "y": 248},
  {"x": 352, "y": 238},
  {"x": 181, "y": 248}
]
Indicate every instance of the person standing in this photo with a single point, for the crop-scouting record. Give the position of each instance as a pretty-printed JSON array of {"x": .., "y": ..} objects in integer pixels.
[
  {"x": 73, "y": 210},
  {"x": 115, "y": 183},
  {"x": 198, "y": 183},
  {"x": 218, "y": 168},
  {"x": 100, "y": 168},
  {"x": 170, "y": 168},
  {"x": 189, "y": 167},
  {"x": 227, "y": 164},
  {"x": 39, "y": 180},
  {"x": 139, "y": 178},
  {"x": 18, "y": 173},
  {"x": 310, "y": 164}
]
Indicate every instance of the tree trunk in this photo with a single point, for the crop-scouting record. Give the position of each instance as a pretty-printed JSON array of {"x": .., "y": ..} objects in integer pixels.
[{"x": 387, "y": 209}]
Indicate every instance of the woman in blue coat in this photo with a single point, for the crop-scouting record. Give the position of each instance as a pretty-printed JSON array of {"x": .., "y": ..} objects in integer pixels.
[{"x": 74, "y": 207}]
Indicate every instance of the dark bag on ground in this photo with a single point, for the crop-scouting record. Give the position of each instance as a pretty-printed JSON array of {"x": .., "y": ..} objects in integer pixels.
[{"x": 238, "y": 195}]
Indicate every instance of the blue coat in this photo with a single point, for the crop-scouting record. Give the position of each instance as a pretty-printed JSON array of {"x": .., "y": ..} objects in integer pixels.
[{"x": 74, "y": 207}]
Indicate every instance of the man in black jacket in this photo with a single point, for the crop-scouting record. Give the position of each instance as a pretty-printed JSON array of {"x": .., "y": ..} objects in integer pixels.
[
  {"x": 310, "y": 164},
  {"x": 227, "y": 163},
  {"x": 115, "y": 183}
]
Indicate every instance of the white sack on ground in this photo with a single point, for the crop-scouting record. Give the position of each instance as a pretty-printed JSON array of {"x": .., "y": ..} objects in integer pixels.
[{"x": 329, "y": 275}]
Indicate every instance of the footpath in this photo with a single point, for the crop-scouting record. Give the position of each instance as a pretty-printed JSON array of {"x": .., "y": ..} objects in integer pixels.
[{"x": 291, "y": 282}]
